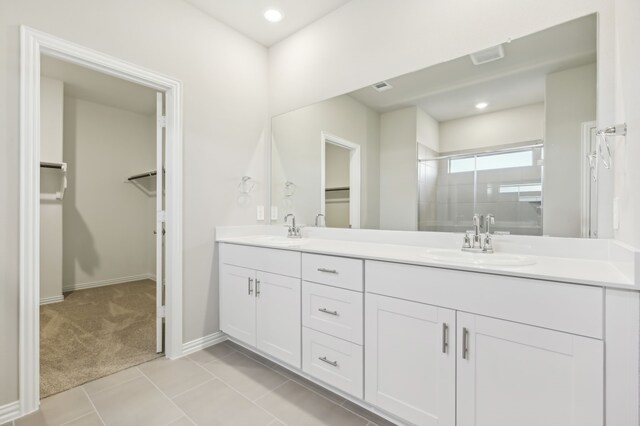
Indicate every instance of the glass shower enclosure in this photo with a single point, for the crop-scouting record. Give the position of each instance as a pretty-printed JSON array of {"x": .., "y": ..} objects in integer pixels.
[{"x": 504, "y": 182}]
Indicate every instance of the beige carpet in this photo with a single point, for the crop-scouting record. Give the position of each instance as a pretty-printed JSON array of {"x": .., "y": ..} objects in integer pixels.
[{"x": 96, "y": 332}]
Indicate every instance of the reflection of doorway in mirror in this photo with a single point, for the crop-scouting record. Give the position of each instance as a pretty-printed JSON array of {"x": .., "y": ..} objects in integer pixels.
[{"x": 340, "y": 182}]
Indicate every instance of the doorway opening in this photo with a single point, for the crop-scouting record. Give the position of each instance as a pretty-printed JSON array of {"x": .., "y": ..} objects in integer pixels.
[
  {"x": 340, "y": 182},
  {"x": 113, "y": 181},
  {"x": 101, "y": 257}
]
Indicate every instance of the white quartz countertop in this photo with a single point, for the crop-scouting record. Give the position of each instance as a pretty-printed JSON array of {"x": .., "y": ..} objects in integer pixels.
[{"x": 562, "y": 269}]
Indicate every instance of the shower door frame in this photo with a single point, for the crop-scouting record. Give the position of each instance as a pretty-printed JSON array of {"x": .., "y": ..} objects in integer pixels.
[{"x": 33, "y": 44}]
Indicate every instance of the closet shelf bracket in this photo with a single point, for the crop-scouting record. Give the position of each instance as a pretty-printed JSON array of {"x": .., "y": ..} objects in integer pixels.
[{"x": 63, "y": 168}]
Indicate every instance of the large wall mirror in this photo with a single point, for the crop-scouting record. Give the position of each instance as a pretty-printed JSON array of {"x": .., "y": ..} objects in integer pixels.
[{"x": 508, "y": 131}]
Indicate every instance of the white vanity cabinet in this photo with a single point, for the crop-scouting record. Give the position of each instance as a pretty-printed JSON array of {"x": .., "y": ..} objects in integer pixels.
[
  {"x": 410, "y": 360},
  {"x": 259, "y": 306},
  {"x": 515, "y": 374},
  {"x": 425, "y": 345},
  {"x": 499, "y": 372},
  {"x": 332, "y": 310},
  {"x": 238, "y": 303}
]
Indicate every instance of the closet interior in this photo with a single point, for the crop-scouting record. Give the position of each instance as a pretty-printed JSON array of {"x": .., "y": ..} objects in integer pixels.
[{"x": 98, "y": 240}]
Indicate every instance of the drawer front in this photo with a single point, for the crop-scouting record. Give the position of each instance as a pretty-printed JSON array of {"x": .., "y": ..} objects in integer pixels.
[
  {"x": 334, "y": 361},
  {"x": 333, "y": 311},
  {"x": 331, "y": 270},
  {"x": 282, "y": 262},
  {"x": 575, "y": 309}
]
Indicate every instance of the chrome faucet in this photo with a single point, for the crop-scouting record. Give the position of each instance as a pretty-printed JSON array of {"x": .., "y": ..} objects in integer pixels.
[
  {"x": 318, "y": 216},
  {"x": 476, "y": 242},
  {"x": 294, "y": 231}
]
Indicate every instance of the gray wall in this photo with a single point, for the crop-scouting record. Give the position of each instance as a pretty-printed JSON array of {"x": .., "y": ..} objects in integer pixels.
[
  {"x": 570, "y": 100},
  {"x": 225, "y": 117},
  {"x": 108, "y": 224}
]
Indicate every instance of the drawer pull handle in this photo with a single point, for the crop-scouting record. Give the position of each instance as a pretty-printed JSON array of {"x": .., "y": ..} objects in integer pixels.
[
  {"x": 324, "y": 359},
  {"x": 257, "y": 287},
  {"x": 326, "y": 311},
  {"x": 328, "y": 271},
  {"x": 465, "y": 343},
  {"x": 250, "y": 286},
  {"x": 445, "y": 338}
]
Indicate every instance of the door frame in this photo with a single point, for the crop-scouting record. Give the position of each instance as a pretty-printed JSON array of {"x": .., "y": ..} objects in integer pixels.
[
  {"x": 354, "y": 175},
  {"x": 33, "y": 43}
]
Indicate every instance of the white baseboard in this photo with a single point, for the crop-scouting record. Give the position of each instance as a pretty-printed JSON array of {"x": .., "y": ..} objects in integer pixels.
[
  {"x": 203, "y": 342},
  {"x": 9, "y": 412},
  {"x": 52, "y": 299},
  {"x": 82, "y": 286}
]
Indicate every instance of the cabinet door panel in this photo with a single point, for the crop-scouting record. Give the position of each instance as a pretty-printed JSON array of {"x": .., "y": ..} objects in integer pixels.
[
  {"x": 238, "y": 303},
  {"x": 515, "y": 374},
  {"x": 409, "y": 371},
  {"x": 278, "y": 315}
]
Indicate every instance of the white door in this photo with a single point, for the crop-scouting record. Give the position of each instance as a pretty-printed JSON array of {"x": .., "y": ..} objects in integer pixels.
[
  {"x": 278, "y": 317},
  {"x": 160, "y": 219},
  {"x": 410, "y": 360},
  {"x": 238, "y": 303},
  {"x": 514, "y": 374}
]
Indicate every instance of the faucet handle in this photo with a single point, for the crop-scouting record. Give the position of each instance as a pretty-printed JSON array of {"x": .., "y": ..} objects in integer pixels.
[
  {"x": 467, "y": 241},
  {"x": 489, "y": 220}
]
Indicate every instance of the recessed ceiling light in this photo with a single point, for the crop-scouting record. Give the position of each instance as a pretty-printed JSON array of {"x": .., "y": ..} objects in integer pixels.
[
  {"x": 482, "y": 105},
  {"x": 273, "y": 15}
]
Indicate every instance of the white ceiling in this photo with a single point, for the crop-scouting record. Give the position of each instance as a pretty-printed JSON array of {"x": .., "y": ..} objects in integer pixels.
[
  {"x": 451, "y": 90},
  {"x": 93, "y": 86},
  {"x": 247, "y": 17}
]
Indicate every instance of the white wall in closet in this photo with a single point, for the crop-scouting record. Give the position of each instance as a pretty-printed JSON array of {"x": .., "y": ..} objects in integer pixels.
[
  {"x": 51, "y": 112},
  {"x": 108, "y": 223}
]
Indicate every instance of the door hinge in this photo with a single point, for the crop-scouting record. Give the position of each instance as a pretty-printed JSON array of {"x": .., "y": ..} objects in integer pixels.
[
  {"x": 162, "y": 216},
  {"x": 162, "y": 121},
  {"x": 161, "y": 312}
]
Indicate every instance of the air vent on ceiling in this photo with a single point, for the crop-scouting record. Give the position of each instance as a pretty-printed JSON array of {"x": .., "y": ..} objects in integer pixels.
[
  {"x": 382, "y": 86},
  {"x": 487, "y": 55}
]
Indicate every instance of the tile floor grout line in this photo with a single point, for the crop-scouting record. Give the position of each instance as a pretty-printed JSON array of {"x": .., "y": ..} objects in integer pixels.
[
  {"x": 212, "y": 360},
  {"x": 245, "y": 397},
  {"x": 93, "y": 405},
  {"x": 304, "y": 386},
  {"x": 193, "y": 387},
  {"x": 288, "y": 379},
  {"x": 114, "y": 385},
  {"x": 171, "y": 400},
  {"x": 78, "y": 418}
]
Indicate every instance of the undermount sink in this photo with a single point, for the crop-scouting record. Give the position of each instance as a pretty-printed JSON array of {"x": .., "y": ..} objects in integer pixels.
[
  {"x": 275, "y": 240},
  {"x": 479, "y": 259}
]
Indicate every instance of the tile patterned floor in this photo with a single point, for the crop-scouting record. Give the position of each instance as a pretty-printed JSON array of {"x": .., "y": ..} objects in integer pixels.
[{"x": 221, "y": 385}]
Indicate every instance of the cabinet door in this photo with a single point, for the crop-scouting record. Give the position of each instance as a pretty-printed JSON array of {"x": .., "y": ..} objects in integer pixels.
[
  {"x": 278, "y": 314},
  {"x": 514, "y": 374},
  {"x": 410, "y": 360},
  {"x": 238, "y": 303}
]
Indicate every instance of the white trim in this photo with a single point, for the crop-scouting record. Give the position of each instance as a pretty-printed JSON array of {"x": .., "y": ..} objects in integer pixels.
[
  {"x": 9, "y": 412},
  {"x": 52, "y": 299},
  {"x": 203, "y": 342},
  {"x": 33, "y": 43},
  {"x": 102, "y": 283},
  {"x": 354, "y": 175}
]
